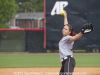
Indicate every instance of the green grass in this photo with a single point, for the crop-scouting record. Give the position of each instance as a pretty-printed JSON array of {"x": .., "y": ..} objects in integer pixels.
[
  {"x": 87, "y": 60},
  {"x": 46, "y": 60}
]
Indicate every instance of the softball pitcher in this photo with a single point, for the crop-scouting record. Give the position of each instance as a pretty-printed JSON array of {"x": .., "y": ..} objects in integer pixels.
[{"x": 66, "y": 45}]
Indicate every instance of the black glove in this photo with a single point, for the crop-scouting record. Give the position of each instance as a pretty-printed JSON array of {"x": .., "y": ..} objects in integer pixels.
[{"x": 87, "y": 28}]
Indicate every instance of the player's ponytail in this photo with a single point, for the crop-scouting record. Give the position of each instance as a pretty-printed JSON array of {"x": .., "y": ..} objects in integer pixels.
[{"x": 72, "y": 33}]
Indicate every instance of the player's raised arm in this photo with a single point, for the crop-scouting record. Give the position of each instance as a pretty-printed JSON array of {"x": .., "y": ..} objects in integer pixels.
[
  {"x": 65, "y": 18},
  {"x": 64, "y": 13}
]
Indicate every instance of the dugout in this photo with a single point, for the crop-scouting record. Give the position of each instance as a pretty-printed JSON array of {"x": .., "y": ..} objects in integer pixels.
[{"x": 22, "y": 40}]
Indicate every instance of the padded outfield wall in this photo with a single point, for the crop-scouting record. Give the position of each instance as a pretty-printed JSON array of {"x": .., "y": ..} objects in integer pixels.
[
  {"x": 22, "y": 40},
  {"x": 79, "y": 13}
]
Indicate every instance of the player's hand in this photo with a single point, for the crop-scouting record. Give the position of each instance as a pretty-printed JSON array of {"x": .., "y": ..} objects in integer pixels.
[
  {"x": 87, "y": 28},
  {"x": 63, "y": 13}
]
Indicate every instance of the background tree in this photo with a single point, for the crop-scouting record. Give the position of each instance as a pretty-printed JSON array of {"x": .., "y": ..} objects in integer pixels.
[
  {"x": 30, "y": 5},
  {"x": 7, "y": 10},
  {"x": 26, "y": 7}
]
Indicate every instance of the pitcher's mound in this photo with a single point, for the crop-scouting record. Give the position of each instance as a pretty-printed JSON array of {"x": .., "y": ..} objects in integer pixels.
[{"x": 47, "y": 71}]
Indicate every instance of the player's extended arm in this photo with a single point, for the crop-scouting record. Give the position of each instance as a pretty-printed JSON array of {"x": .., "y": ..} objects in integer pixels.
[
  {"x": 64, "y": 14},
  {"x": 87, "y": 28},
  {"x": 65, "y": 18},
  {"x": 76, "y": 37}
]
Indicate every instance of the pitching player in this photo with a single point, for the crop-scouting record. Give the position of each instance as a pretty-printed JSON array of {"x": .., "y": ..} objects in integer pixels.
[{"x": 66, "y": 45}]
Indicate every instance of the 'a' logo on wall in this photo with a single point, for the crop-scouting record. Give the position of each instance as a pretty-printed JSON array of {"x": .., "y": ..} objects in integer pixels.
[{"x": 59, "y": 6}]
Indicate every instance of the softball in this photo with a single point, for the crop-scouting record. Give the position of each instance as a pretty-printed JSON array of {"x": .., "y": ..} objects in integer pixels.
[{"x": 62, "y": 12}]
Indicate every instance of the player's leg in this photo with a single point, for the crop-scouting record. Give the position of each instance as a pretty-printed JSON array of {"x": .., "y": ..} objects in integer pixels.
[
  {"x": 72, "y": 64},
  {"x": 62, "y": 69},
  {"x": 69, "y": 66}
]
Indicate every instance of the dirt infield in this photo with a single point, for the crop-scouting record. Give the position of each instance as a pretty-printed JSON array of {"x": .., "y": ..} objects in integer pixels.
[{"x": 47, "y": 71}]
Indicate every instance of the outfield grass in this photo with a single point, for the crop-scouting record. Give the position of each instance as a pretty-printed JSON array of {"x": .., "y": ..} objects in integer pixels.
[{"x": 46, "y": 60}]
